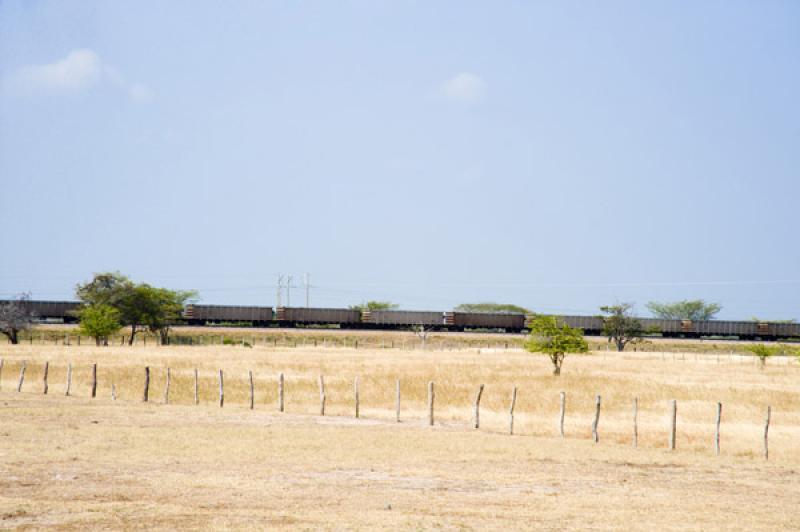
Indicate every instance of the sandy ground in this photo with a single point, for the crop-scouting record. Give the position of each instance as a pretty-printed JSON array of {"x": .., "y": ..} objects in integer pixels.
[{"x": 77, "y": 462}]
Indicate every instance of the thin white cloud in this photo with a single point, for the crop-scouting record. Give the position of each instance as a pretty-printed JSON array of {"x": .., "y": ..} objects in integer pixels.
[
  {"x": 464, "y": 87},
  {"x": 81, "y": 70}
]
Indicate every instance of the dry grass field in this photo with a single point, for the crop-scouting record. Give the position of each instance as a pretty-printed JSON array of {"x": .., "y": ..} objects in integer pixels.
[{"x": 77, "y": 462}]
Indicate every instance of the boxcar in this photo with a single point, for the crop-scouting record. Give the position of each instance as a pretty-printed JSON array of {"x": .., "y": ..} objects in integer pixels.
[
  {"x": 589, "y": 324},
  {"x": 405, "y": 318},
  {"x": 202, "y": 314},
  {"x": 290, "y": 316},
  {"x": 65, "y": 311},
  {"x": 489, "y": 320}
]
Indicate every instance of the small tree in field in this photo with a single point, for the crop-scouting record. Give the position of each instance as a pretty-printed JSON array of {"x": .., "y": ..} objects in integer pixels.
[
  {"x": 554, "y": 340},
  {"x": 620, "y": 325},
  {"x": 100, "y": 322},
  {"x": 15, "y": 317},
  {"x": 763, "y": 351}
]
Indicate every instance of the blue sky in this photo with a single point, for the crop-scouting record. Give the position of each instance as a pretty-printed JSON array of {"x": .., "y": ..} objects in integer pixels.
[{"x": 556, "y": 155}]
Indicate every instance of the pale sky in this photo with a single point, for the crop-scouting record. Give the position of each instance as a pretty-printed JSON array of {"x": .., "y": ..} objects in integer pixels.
[{"x": 556, "y": 155}]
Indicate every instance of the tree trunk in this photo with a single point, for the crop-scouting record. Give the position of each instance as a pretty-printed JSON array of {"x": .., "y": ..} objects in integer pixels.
[
  {"x": 620, "y": 344},
  {"x": 133, "y": 335},
  {"x": 12, "y": 335}
]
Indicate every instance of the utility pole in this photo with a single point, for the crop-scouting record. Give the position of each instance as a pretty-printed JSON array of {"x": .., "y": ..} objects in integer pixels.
[
  {"x": 288, "y": 290},
  {"x": 308, "y": 289},
  {"x": 278, "y": 295}
]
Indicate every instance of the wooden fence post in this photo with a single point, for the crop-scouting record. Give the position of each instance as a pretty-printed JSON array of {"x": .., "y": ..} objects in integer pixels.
[
  {"x": 635, "y": 421},
  {"x": 94, "y": 381},
  {"x": 44, "y": 376},
  {"x": 511, "y": 411},
  {"x": 321, "y": 396},
  {"x": 766, "y": 434},
  {"x": 280, "y": 393},
  {"x": 477, "y": 420},
  {"x": 1, "y": 369},
  {"x": 430, "y": 403},
  {"x": 596, "y": 422},
  {"x": 673, "y": 422},
  {"x": 221, "y": 390},
  {"x": 252, "y": 391},
  {"x": 113, "y": 392},
  {"x": 716, "y": 433},
  {"x": 146, "y": 393},
  {"x": 21, "y": 376},
  {"x": 196, "y": 388},
  {"x": 397, "y": 402},
  {"x": 69, "y": 379},
  {"x": 563, "y": 397},
  {"x": 166, "y": 388},
  {"x": 355, "y": 386}
]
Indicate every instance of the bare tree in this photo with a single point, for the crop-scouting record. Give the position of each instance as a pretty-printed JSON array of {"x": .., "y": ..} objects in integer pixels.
[
  {"x": 422, "y": 332},
  {"x": 16, "y": 316}
]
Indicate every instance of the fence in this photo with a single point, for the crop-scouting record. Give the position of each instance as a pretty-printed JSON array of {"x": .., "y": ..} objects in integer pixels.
[{"x": 280, "y": 388}]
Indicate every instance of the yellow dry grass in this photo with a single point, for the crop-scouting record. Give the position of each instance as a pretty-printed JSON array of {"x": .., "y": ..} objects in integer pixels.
[{"x": 76, "y": 462}]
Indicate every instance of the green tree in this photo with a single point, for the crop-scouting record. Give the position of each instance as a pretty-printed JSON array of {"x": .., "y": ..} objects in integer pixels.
[
  {"x": 620, "y": 325},
  {"x": 163, "y": 308},
  {"x": 374, "y": 305},
  {"x": 555, "y": 340},
  {"x": 695, "y": 310},
  {"x": 140, "y": 306},
  {"x": 99, "y": 321},
  {"x": 492, "y": 307},
  {"x": 764, "y": 351}
]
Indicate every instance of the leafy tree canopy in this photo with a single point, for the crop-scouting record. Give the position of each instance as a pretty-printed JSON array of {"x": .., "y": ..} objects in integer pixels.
[
  {"x": 507, "y": 308},
  {"x": 695, "y": 310},
  {"x": 138, "y": 305},
  {"x": 100, "y": 321},
  {"x": 554, "y": 340},
  {"x": 620, "y": 325},
  {"x": 374, "y": 305}
]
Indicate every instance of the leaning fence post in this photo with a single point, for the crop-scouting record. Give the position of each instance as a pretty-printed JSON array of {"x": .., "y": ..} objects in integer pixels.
[
  {"x": 21, "y": 376},
  {"x": 397, "y": 402},
  {"x": 280, "y": 392},
  {"x": 94, "y": 381},
  {"x": 321, "y": 396},
  {"x": 716, "y": 433},
  {"x": 766, "y": 434},
  {"x": 196, "y": 388},
  {"x": 252, "y": 394},
  {"x": 478, "y": 407},
  {"x": 146, "y": 392},
  {"x": 166, "y": 388},
  {"x": 563, "y": 397},
  {"x": 635, "y": 421},
  {"x": 596, "y": 421},
  {"x": 44, "y": 376},
  {"x": 511, "y": 411},
  {"x": 673, "y": 422},
  {"x": 221, "y": 390},
  {"x": 69, "y": 379},
  {"x": 430, "y": 403},
  {"x": 355, "y": 386}
]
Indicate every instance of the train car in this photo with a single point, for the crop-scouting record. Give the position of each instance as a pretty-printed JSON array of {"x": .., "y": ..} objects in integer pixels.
[
  {"x": 203, "y": 314},
  {"x": 293, "y": 316},
  {"x": 489, "y": 320},
  {"x": 591, "y": 325},
  {"x": 50, "y": 311},
  {"x": 396, "y": 319}
]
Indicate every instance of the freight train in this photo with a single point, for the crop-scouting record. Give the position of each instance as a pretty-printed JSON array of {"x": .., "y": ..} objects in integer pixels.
[{"x": 198, "y": 315}]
